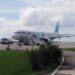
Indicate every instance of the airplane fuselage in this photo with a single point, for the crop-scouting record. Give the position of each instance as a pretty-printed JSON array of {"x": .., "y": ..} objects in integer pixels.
[{"x": 26, "y": 36}]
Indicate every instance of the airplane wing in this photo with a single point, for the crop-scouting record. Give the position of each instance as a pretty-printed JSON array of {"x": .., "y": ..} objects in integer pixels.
[
  {"x": 66, "y": 35},
  {"x": 61, "y": 36}
]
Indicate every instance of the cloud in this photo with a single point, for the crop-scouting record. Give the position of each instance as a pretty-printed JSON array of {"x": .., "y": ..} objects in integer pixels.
[
  {"x": 67, "y": 6},
  {"x": 36, "y": 2},
  {"x": 69, "y": 20},
  {"x": 2, "y": 19},
  {"x": 41, "y": 16},
  {"x": 48, "y": 3},
  {"x": 48, "y": 12},
  {"x": 8, "y": 27}
]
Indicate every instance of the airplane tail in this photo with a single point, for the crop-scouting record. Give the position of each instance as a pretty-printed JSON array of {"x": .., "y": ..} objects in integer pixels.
[{"x": 57, "y": 28}]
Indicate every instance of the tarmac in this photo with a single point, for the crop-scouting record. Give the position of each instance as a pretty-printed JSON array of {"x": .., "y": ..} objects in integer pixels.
[
  {"x": 23, "y": 47},
  {"x": 16, "y": 47},
  {"x": 68, "y": 68}
]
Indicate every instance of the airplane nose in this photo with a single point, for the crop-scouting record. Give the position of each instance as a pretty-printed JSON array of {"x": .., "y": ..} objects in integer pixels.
[{"x": 15, "y": 37}]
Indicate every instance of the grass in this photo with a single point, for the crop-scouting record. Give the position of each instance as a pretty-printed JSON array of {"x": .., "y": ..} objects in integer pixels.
[
  {"x": 16, "y": 63},
  {"x": 69, "y": 49}
]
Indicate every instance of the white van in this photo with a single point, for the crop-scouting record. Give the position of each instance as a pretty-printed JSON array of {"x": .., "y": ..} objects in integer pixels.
[{"x": 6, "y": 41}]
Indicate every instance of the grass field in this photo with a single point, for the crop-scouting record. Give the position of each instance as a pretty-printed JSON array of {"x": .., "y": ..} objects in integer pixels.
[
  {"x": 15, "y": 63},
  {"x": 69, "y": 49}
]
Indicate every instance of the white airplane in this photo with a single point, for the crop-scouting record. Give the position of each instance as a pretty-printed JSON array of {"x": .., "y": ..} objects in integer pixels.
[{"x": 30, "y": 37}]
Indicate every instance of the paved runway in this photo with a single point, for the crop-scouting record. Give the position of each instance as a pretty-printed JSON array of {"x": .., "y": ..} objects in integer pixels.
[
  {"x": 16, "y": 47},
  {"x": 23, "y": 47},
  {"x": 67, "y": 45}
]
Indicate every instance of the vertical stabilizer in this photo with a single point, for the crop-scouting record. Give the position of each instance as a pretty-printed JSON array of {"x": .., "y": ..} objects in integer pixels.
[{"x": 57, "y": 28}]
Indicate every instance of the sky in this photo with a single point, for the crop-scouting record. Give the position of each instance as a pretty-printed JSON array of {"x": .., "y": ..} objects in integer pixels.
[{"x": 37, "y": 15}]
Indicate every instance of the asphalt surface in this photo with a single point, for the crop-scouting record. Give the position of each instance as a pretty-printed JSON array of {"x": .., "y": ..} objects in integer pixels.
[
  {"x": 23, "y": 47},
  {"x": 16, "y": 47},
  {"x": 68, "y": 68}
]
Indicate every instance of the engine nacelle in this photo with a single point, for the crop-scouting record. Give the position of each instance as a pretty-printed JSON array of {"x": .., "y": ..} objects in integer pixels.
[{"x": 46, "y": 39}]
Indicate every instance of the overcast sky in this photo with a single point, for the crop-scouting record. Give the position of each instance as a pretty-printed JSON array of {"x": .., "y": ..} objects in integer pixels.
[{"x": 39, "y": 15}]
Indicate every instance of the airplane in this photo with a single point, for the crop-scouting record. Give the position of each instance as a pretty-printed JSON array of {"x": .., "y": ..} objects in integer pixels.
[{"x": 31, "y": 37}]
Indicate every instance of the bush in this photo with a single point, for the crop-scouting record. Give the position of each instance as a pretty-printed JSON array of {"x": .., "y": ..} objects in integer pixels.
[{"x": 45, "y": 56}]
